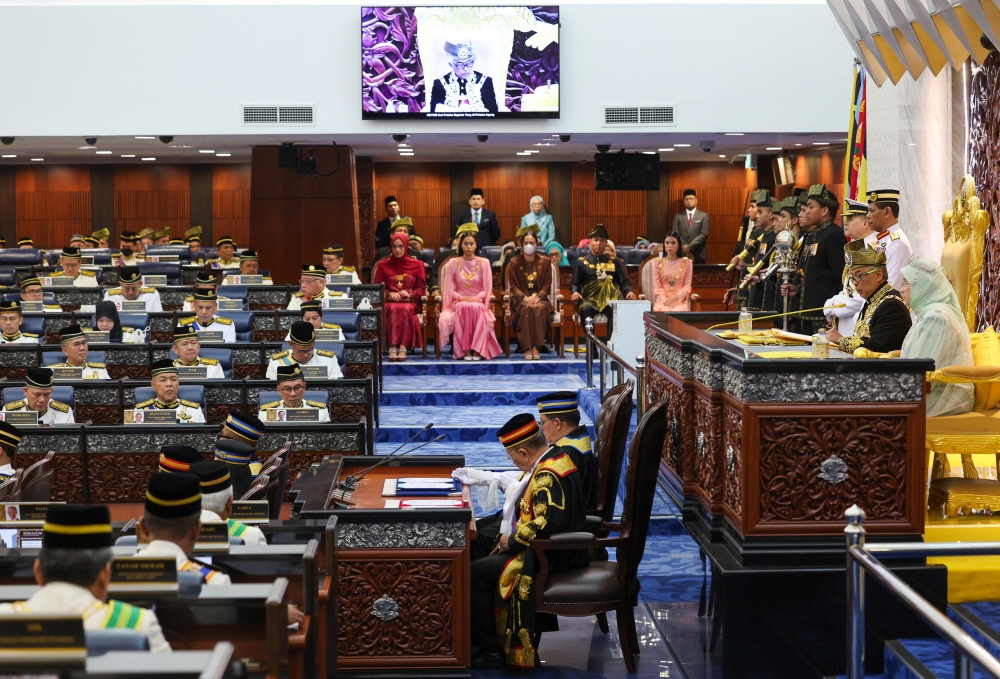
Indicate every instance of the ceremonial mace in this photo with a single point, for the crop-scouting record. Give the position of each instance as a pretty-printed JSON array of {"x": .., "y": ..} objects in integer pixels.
[{"x": 785, "y": 242}]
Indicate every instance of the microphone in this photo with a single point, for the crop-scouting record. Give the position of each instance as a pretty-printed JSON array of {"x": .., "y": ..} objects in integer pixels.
[
  {"x": 790, "y": 313},
  {"x": 351, "y": 481},
  {"x": 344, "y": 484}
]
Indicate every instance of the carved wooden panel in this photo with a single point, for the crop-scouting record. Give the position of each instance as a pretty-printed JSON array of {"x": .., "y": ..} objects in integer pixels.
[
  {"x": 129, "y": 372},
  {"x": 12, "y": 373},
  {"x": 348, "y": 412},
  {"x": 114, "y": 477},
  {"x": 984, "y": 161},
  {"x": 367, "y": 335},
  {"x": 732, "y": 430},
  {"x": 251, "y": 371},
  {"x": 707, "y": 448},
  {"x": 801, "y": 479},
  {"x": 218, "y": 412},
  {"x": 270, "y": 335},
  {"x": 163, "y": 336},
  {"x": 358, "y": 371},
  {"x": 98, "y": 414}
]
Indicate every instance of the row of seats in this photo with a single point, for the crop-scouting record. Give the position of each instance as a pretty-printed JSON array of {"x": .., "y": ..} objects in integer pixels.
[
  {"x": 632, "y": 256},
  {"x": 33, "y": 484},
  {"x": 102, "y": 256},
  {"x": 169, "y": 269}
]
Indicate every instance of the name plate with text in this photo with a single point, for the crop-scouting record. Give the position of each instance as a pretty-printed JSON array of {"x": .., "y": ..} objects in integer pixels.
[
  {"x": 27, "y": 512},
  {"x": 192, "y": 372},
  {"x": 340, "y": 303},
  {"x": 86, "y": 260},
  {"x": 251, "y": 511},
  {"x": 153, "y": 281},
  {"x": 293, "y": 415},
  {"x": 162, "y": 258},
  {"x": 245, "y": 280},
  {"x": 131, "y": 306},
  {"x": 339, "y": 279},
  {"x": 328, "y": 335},
  {"x": 230, "y": 304},
  {"x": 210, "y": 335},
  {"x": 22, "y": 417},
  {"x": 148, "y": 573},
  {"x": 36, "y": 638},
  {"x": 67, "y": 373},
  {"x": 57, "y": 282},
  {"x": 32, "y": 307},
  {"x": 150, "y": 417},
  {"x": 214, "y": 535},
  {"x": 314, "y": 372},
  {"x": 98, "y": 336}
]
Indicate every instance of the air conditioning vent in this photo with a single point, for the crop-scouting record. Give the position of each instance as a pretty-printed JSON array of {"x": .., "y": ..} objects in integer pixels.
[
  {"x": 638, "y": 116},
  {"x": 278, "y": 115}
]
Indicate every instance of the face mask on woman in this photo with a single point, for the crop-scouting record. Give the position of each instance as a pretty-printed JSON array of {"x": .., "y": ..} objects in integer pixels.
[{"x": 529, "y": 249}]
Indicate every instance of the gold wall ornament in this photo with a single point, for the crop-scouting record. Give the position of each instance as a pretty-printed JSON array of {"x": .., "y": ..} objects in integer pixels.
[{"x": 965, "y": 223}]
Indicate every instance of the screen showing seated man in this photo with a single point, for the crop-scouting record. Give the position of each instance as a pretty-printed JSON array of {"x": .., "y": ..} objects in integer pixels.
[{"x": 460, "y": 62}]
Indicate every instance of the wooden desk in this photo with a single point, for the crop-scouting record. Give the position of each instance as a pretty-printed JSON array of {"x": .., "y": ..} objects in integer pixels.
[{"x": 401, "y": 576}]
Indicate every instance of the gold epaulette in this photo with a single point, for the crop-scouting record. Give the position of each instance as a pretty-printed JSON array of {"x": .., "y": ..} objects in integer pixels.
[
  {"x": 280, "y": 355},
  {"x": 56, "y": 274},
  {"x": 96, "y": 365},
  {"x": 331, "y": 326},
  {"x": 147, "y": 290},
  {"x": 52, "y": 306},
  {"x": 266, "y": 278},
  {"x": 208, "y": 361},
  {"x": 187, "y": 321},
  {"x": 139, "y": 406},
  {"x": 30, "y": 334},
  {"x": 560, "y": 465},
  {"x": 224, "y": 321},
  {"x": 59, "y": 405},
  {"x": 268, "y": 406},
  {"x": 316, "y": 404},
  {"x": 114, "y": 291},
  {"x": 348, "y": 268},
  {"x": 299, "y": 294},
  {"x": 894, "y": 235},
  {"x": 324, "y": 352},
  {"x": 15, "y": 405},
  {"x": 188, "y": 299},
  {"x": 189, "y": 404},
  {"x": 87, "y": 272}
]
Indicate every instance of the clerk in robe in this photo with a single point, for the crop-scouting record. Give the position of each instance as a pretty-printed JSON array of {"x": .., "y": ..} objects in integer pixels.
[{"x": 598, "y": 279}]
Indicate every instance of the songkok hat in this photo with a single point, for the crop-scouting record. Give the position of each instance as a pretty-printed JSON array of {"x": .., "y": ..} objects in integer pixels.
[
  {"x": 525, "y": 230},
  {"x": 313, "y": 270},
  {"x": 101, "y": 234},
  {"x": 129, "y": 237},
  {"x": 857, "y": 253},
  {"x": 598, "y": 232},
  {"x": 791, "y": 205},
  {"x": 213, "y": 475},
  {"x": 76, "y": 527},
  {"x": 40, "y": 378},
  {"x": 557, "y": 402},
  {"x": 205, "y": 296},
  {"x": 173, "y": 496},
  {"x": 853, "y": 207},
  {"x": 518, "y": 429},
  {"x": 9, "y": 435},
  {"x": 302, "y": 332},
  {"x": 12, "y": 305},
  {"x": 403, "y": 221},
  {"x": 244, "y": 425},
  {"x": 70, "y": 332},
  {"x": 176, "y": 241},
  {"x": 70, "y": 252},
  {"x": 762, "y": 198},
  {"x": 164, "y": 367},
  {"x": 162, "y": 233},
  {"x": 884, "y": 196},
  {"x": 178, "y": 458},
  {"x": 468, "y": 227},
  {"x": 249, "y": 256},
  {"x": 334, "y": 250},
  {"x": 641, "y": 240},
  {"x": 146, "y": 233},
  {"x": 823, "y": 196},
  {"x": 390, "y": 199},
  {"x": 311, "y": 305},
  {"x": 183, "y": 332},
  {"x": 690, "y": 192},
  {"x": 129, "y": 274},
  {"x": 206, "y": 278},
  {"x": 28, "y": 282},
  {"x": 192, "y": 239},
  {"x": 194, "y": 233},
  {"x": 77, "y": 237},
  {"x": 233, "y": 452},
  {"x": 476, "y": 192},
  {"x": 91, "y": 241},
  {"x": 225, "y": 240},
  {"x": 416, "y": 239},
  {"x": 289, "y": 372},
  {"x": 25, "y": 241}
]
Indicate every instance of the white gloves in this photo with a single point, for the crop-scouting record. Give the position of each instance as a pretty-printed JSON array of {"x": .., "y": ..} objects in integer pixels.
[
  {"x": 487, "y": 484},
  {"x": 473, "y": 477}
]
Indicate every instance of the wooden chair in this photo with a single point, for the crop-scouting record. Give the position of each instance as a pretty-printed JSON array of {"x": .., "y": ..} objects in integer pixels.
[
  {"x": 36, "y": 483},
  {"x": 275, "y": 492},
  {"x": 258, "y": 491},
  {"x": 423, "y": 306},
  {"x": 648, "y": 287},
  {"x": 10, "y": 490},
  {"x": 302, "y": 644},
  {"x": 609, "y": 585},
  {"x": 556, "y": 330},
  {"x": 435, "y": 309},
  {"x": 611, "y": 427}
]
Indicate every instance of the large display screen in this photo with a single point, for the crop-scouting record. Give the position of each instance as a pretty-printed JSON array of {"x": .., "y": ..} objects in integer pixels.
[{"x": 459, "y": 62}]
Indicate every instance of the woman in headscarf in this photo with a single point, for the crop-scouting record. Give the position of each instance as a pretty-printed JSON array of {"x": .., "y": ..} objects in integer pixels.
[
  {"x": 672, "y": 277},
  {"x": 405, "y": 283},
  {"x": 467, "y": 300},
  {"x": 557, "y": 253},
  {"x": 940, "y": 333},
  {"x": 529, "y": 281},
  {"x": 539, "y": 216},
  {"x": 106, "y": 320}
]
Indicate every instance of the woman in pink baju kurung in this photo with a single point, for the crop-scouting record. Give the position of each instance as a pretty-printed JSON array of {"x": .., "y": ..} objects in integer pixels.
[
  {"x": 672, "y": 278},
  {"x": 466, "y": 304}
]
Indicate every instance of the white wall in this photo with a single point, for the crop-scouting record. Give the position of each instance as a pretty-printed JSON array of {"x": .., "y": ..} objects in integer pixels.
[{"x": 184, "y": 69}]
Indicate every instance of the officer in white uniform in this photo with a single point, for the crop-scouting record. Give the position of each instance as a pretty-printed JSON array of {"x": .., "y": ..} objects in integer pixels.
[
  {"x": 302, "y": 351},
  {"x": 292, "y": 387},
  {"x": 226, "y": 249},
  {"x": 249, "y": 266},
  {"x": 205, "y": 280},
  {"x": 206, "y": 303},
  {"x": 37, "y": 391},
  {"x": 10, "y": 325},
  {"x": 74, "y": 345},
  {"x": 131, "y": 290},
  {"x": 70, "y": 261},
  {"x": 217, "y": 500},
  {"x": 166, "y": 384},
  {"x": 333, "y": 262},
  {"x": 187, "y": 346},
  {"x": 883, "y": 220},
  {"x": 173, "y": 507},
  {"x": 10, "y": 439},
  {"x": 312, "y": 285},
  {"x": 31, "y": 291},
  {"x": 74, "y": 569}
]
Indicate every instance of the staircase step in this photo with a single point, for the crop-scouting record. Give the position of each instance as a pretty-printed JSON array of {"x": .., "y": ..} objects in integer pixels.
[
  {"x": 981, "y": 619},
  {"x": 456, "y": 423},
  {"x": 453, "y": 390},
  {"x": 476, "y": 453},
  {"x": 921, "y": 659},
  {"x": 497, "y": 366}
]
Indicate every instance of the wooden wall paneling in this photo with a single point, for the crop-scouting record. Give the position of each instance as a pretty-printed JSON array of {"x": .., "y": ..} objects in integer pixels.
[
  {"x": 201, "y": 188},
  {"x": 8, "y": 205},
  {"x": 825, "y": 167},
  {"x": 462, "y": 183},
  {"x": 623, "y": 213},
  {"x": 560, "y": 204},
  {"x": 153, "y": 196},
  {"x": 53, "y": 203},
  {"x": 102, "y": 200},
  {"x": 659, "y": 218},
  {"x": 367, "y": 219},
  {"x": 230, "y": 204},
  {"x": 424, "y": 193}
]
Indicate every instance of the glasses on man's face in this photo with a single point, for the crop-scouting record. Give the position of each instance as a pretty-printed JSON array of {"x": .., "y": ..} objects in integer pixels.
[
  {"x": 291, "y": 390},
  {"x": 857, "y": 278}
]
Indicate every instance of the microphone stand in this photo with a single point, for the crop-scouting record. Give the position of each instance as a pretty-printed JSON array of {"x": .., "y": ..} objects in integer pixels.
[
  {"x": 344, "y": 488},
  {"x": 348, "y": 483}
]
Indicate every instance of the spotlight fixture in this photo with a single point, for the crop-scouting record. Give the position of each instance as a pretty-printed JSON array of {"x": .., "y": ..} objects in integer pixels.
[
  {"x": 603, "y": 148},
  {"x": 682, "y": 146},
  {"x": 482, "y": 138},
  {"x": 565, "y": 137},
  {"x": 128, "y": 155},
  {"x": 7, "y": 141},
  {"x": 149, "y": 158},
  {"x": 707, "y": 145},
  {"x": 90, "y": 141},
  {"x": 206, "y": 151},
  {"x": 166, "y": 139},
  {"x": 223, "y": 155},
  {"x": 773, "y": 148},
  {"x": 10, "y": 155},
  {"x": 103, "y": 153},
  {"x": 399, "y": 137}
]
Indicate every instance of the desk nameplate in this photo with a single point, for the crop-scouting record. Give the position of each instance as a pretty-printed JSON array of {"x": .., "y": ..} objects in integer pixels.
[
  {"x": 192, "y": 372},
  {"x": 150, "y": 417},
  {"x": 20, "y": 417},
  {"x": 210, "y": 336},
  {"x": 32, "y": 307},
  {"x": 67, "y": 373}
]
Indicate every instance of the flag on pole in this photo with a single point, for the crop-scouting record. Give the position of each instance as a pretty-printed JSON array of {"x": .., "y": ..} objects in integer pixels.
[{"x": 855, "y": 169}]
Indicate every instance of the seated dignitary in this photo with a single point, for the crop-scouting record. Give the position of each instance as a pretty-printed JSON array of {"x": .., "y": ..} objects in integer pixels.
[
  {"x": 302, "y": 351},
  {"x": 130, "y": 250},
  {"x": 849, "y": 301},
  {"x": 74, "y": 345},
  {"x": 166, "y": 383},
  {"x": 70, "y": 261},
  {"x": 247, "y": 429},
  {"x": 38, "y": 397},
  {"x": 333, "y": 262},
  {"x": 178, "y": 458},
  {"x": 292, "y": 387},
  {"x": 312, "y": 285},
  {"x": 131, "y": 290},
  {"x": 10, "y": 439},
  {"x": 939, "y": 333},
  {"x": 552, "y": 502},
  {"x": 10, "y": 325},
  {"x": 884, "y": 319},
  {"x": 404, "y": 227},
  {"x": 172, "y": 521},
  {"x": 74, "y": 571},
  {"x": 187, "y": 346},
  {"x": 206, "y": 303},
  {"x": 217, "y": 500},
  {"x": 106, "y": 319},
  {"x": 101, "y": 237},
  {"x": 225, "y": 248},
  {"x": 312, "y": 313},
  {"x": 559, "y": 418},
  {"x": 250, "y": 266},
  {"x": 31, "y": 291},
  {"x": 598, "y": 279},
  {"x": 78, "y": 240},
  {"x": 205, "y": 280},
  {"x": 238, "y": 456},
  {"x": 192, "y": 237}
]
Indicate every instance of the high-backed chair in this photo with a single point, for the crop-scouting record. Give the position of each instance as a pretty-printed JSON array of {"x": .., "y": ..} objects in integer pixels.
[
  {"x": 609, "y": 585},
  {"x": 172, "y": 270},
  {"x": 349, "y": 322},
  {"x": 102, "y": 256},
  {"x": 18, "y": 257},
  {"x": 10, "y": 490},
  {"x": 61, "y": 393},
  {"x": 267, "y": 396},
  {"x": 35, "y": 325},
  {"x": 51, "y": 357},
  {"x": 182, "y": 252},
  {"x": 611, "y": 428},
  {"x": 36, "y": 482},
  {"x": 48, "y": 298},
  {"x": 223, "y": 356},
  {"x": 239, "y": 292},
  {"x": 275, "y": 493},
  {"x": 242, "y": 323},
  {"x": 258, "y": 491},
  {"x": 648, "y": 286},
  {"x": 556, "y": 330},
  {"x": 635, "y": 256},
  {"x": 187, "y": 392},
  {"x": 8, "y": 277}
]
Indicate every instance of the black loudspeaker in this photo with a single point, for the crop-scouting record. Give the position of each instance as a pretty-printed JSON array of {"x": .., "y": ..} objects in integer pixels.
[
  {"x": 288, "y": 157},
  {"x": 627, "y": 172}
]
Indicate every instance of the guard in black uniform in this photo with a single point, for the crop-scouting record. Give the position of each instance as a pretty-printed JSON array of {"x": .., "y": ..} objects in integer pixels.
[
  {"x": 598, "y": 279},
  {"x": 754, "y": 288}
]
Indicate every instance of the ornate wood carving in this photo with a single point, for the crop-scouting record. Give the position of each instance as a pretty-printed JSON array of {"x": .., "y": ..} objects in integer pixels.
[
  {"x": 793, "y": 452},
  {"x": 367, "y": 221},
  {"x": 251, "y": 371},
  {"x": 218, "y": 412},
  {"x": 984, "y": 160},
  {"x": 159, "y": 336},
  {"x": 102, "y": 414},
  {"x": 12, "y": 373},
  {"x": 129, "y": 372},
  {"x": 710, "y": 276},
  {"x": 732, "y": 429},
  {"x": 115, "y": 477},
  {"x": 270, "y": 335},
  {"x": 707, "y": 447},
  {"x": 348, "y": 412},
  {"x": 358, "y": 371},
  {"x": 367, "y": 335}
]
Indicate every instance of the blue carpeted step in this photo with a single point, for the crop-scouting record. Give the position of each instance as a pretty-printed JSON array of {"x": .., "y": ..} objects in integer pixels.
[
  {"x": 495, "y": 367},
  {"x": 456, "y": 423},
  {"x": 921, "y": 659},
  {"x": 981, "y": 619},
  {"x": 477, "y": 453},
  {"x": 460, "y": 390}
]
